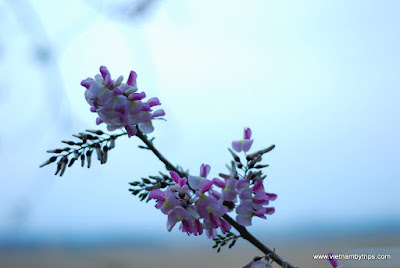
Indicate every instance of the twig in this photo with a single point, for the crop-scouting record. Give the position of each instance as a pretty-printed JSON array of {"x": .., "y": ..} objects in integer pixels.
[
  {"x": 150, "y": 145},
  {"x": 249, "y": 237}
]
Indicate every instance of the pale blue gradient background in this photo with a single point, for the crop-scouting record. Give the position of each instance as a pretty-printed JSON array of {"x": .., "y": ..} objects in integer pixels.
[{"x": 320, "y": 79}]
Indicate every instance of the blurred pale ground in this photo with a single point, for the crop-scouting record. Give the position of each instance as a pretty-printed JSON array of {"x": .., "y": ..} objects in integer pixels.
[
  {"x": 196, "y": 256},
  {"x": 320, "y": 79}
]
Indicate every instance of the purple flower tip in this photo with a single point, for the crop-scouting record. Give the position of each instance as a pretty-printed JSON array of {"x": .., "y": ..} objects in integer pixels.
[
  {"x": 87, "y": 83},
  {"x": 104, "y": 72},
  {"x": 132, "y": 79},
  {"x": 99, "y": 121},
  {"x": 204, "y": 170},
  {"x": 175, "y": 176},
  {"x": 153, "y": 102},
  {"x": 158, "y": 113},
  {"x": 247, "y": 133},
  {"x": 206, "y": 186}
]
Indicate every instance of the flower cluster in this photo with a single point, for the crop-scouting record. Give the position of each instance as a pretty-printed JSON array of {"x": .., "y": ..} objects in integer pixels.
[
  {"x": 119, "y": 104},
  {"x": 195, "y": 203},
  {"x": 189, "y": 203},
  {"x": 253, "y": 201}
]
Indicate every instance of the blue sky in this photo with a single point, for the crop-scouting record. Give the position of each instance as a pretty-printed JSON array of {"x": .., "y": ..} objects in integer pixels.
[{"x": 317, "y": 78}]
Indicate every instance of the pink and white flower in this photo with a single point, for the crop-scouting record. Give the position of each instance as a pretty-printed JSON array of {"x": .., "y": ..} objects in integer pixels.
[
  {"x": 118, "y": 104},
  {"x": 245, "y": 144}
]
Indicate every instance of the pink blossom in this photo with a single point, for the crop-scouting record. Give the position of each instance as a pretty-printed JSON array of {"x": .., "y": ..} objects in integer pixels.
[
  {"x": 118, "y": 105},
  {"x": 200, "y": 183},
  {"x": 211, "y": 211},
  {"x": 253, "y": 201},
  {"x": 180, "y": 214},
  {"x": 245, "y": 144},
  {"x": 204, "y": 170},
  {"x": 166, "y": 201},
  {"x": 180, "y": 183},
  {"x": 228, "y": 188}
]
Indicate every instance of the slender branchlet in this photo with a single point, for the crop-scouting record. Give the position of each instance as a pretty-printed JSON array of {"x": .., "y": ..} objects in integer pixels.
[
  {"x": 146, "y": 185},
  {"x": 222, "y": 240},
  {"x": 82, "y": 148}
]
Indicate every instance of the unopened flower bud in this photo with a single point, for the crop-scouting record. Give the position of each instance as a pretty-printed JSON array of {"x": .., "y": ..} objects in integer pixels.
[
  {"x": 76, "y": 154},
  {"x": 68, "y": 142},
  {"x": 232, "y": 169},
  {"x": 82, "y": 160},
  {"x": 99, "y": 152},
  {"x": 89, "y": 158},
  {"x": 261, "y": 166},
  {"x": 105, "y": 154},
  {"x": 51, "y": 160},
  {"x": 261, "y": 152},
  {"x": 155, "y": 186},
  {"x": 237, "y": 159},
  {"x": 266, "y": 150},
  {"x": 224, "y": 176},
  {"x": 58, "y": 167},
  {"x": 63, "y": 165},
  {"x": 112, "y": 142},
  {"x": 97, "y": 132},
  {"x": 55, "y": 151},
  {"x": 254, "y": 161},
  {"x": 71, "y": 162}
]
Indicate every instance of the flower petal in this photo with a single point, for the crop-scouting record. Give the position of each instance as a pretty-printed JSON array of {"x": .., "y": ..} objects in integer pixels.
[{"x": 237, "y": 146}]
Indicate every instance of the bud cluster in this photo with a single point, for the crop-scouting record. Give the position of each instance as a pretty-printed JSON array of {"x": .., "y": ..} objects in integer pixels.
[{"x": 82, "y": 150}]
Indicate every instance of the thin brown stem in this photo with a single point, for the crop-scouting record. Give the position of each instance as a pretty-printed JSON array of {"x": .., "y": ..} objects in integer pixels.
[
  {"x": 249, "y": 237},
  {"x": 150, "y": 145},
  {"x": 240, "y": 228}
]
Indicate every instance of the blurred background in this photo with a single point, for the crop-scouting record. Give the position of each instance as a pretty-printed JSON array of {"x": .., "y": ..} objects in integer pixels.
[{"x": 320, "y": 79}]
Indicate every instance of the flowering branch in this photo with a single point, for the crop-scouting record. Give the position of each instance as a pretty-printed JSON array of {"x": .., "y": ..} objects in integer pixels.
[
  {"x": 244, "y": 233},
  {"x": 189, "y": 200}
]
